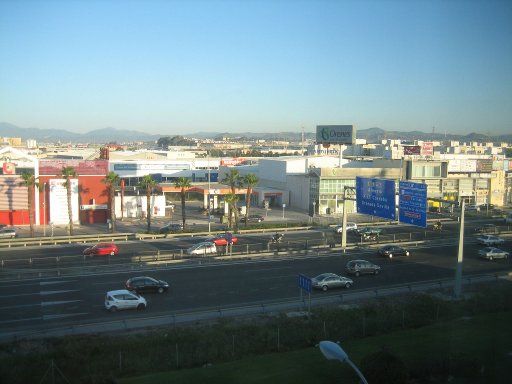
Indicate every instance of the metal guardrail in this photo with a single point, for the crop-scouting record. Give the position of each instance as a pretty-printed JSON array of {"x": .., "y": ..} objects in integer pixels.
[{"x": 65, "y": 239}]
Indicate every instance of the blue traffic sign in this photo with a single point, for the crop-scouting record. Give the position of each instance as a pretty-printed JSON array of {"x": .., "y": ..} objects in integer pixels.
[
  {"x": 412, "y": 203},
  {"x": 305, "y": 283},
  {"x": 376, "y": 197}
]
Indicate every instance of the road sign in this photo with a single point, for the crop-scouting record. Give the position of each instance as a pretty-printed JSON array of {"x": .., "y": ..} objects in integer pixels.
[
  {"x": 412, "y": 203},
  {"x": 376, "y": 197},
  {"x": 305, "y": 283}
]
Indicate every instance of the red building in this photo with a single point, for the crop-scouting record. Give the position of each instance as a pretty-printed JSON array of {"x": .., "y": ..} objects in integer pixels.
[{"x": 89, "y": 194}]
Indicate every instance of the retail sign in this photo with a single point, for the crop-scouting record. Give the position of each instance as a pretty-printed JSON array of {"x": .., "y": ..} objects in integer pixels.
[
  {"x": 232, "y": 162},
  {"x": 461, "y": 166},
  {"x": 9, "y": 169},
  {"x": 376, "y": 197},
  {"x": 59, "y": 201},
  {"x": 412, "y": 203},
  {"x": 151, "y": 167},
  {"x": 412, "y": 150},
  {"x": 335, "y": 134},
  {"x": 84, "y": 207},
  {"x": 427, "y": 149},
  {"x": 484, "y": 165}
]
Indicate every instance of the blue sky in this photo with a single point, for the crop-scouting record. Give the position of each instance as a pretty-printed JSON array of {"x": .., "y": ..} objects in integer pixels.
[{"x": 174, "y": 67}]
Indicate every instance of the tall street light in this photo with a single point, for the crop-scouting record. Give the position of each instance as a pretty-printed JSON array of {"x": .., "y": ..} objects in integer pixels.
[
  {"x": 333, "y": 351},
  {"x": 44, "y": 209}
]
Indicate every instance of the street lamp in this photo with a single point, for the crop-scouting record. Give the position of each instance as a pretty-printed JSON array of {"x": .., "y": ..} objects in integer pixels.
[
  {"x": 333, "y": 351},
  {"x": 44, "y": 209},
  {"x": 284, "y": 206}
]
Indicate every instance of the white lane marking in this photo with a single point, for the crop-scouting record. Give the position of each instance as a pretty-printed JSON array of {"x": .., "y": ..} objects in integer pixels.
[
  {"x": 52, "y": 317},
  {"x": 267, "y": 269},
  {"x": 49, "y": 303},
  {"x": 56, "y": 282},
  {"x": 46, "y": 293},
  {"x": 277, "y": 277},
  {"x": 20, "y": 320},
  {"x": 34, "y": 283}
]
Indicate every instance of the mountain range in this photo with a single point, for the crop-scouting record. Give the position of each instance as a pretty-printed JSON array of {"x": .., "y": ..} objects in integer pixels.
[{"x": 109, "y": 134}]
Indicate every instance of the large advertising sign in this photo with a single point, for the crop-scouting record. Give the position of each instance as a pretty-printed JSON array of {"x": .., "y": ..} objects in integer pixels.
[
  {"x": 376, "y": 197},
  {"x": 484, "y": 165},
  {"x": 462, "y": 166},
  {"x": 59, "y": 201},
  {"x": 412, "y": 150},
  {"x": 335, "y": 134},
  {"x": 427, "y": 149},
  {"x": 82, "y": 167},
  {"x": 412, "y": 203}
]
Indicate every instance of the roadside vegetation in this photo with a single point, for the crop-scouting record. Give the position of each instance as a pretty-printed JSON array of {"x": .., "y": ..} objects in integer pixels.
[{"x": 434, "y": 338}]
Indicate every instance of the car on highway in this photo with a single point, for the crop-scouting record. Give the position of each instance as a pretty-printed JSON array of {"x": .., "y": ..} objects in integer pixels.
[
  {"x": 487, "y": 228},
  {"x": 491, "y": 253},
  {"x": 124, "y": 299},
  {"x": 252, "y": 219},
  {"x": 472, "y": 208},
  {"x": 102, "y": 249},
  {"x": 222, "y": 240},
  {"x": 490, "y": 240},
  {"x": 143, "y": 284},
  {"x": 204, "y": 248},
  {"x": 350, "y": 227},
  {"x": 8, "y": 233},
  {"x": 393, "y": 250},
  {"x": 369, "y": 233},
  {"x": 171, "y": 228},
  {"x": 327, "y": 281},
  {"x": 360, "y": 267}
]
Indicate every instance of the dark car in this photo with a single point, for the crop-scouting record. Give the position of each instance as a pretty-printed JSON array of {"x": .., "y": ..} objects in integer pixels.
[
  {"x": 144, "y": 284},
  {"x": 487, "y": 228},
  {"x": 360, "y": 267},
  {"x": 485, "y": 207},
  {"x": 393, "y": 250},
  {"x": 170, "y": 228},
  {"x": 252, "y": 219}
]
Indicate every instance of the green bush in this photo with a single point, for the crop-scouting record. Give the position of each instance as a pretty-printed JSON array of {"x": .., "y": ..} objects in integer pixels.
[{"x": 384, "y": 367}]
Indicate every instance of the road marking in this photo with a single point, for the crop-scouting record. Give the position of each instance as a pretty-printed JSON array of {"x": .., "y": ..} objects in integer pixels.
[
  {"x": 56, "y": 282},
  {"x": 52, "y": 317},
  {"x": 42, "y": 293},
  {"x": 42, "y": 304},
  {"x": 49, "y": 303},
  {"x": 46, "y": 293},
  {"x": 267, "y": 269},
  {"x": 277, "y": 277}
]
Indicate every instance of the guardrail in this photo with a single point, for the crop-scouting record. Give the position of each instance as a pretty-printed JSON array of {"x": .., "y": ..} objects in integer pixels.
[{"x": 65, "y": 239}]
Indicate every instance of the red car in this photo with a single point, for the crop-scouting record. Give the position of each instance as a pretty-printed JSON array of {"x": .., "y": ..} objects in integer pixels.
[
  {"x": 102, "y": 249},
  {"x": 221, "y": 240}
]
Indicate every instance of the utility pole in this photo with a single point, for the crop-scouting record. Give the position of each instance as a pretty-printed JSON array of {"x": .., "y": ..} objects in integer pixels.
[
  {"x": 460, "y": 255},
  {"x": 344, "y": 220},
  {"x": 208, "y": 204}
]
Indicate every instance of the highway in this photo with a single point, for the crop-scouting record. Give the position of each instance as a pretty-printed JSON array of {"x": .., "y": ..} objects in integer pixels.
[{"x": 36, "y": 304}]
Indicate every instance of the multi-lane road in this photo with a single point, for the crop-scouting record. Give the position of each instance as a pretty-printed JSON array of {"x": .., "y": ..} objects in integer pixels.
[{"x": 72, "y": 300}]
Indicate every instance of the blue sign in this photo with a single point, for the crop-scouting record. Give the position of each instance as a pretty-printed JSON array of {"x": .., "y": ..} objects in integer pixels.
[
  {"x": 376, "y": 197},
  {"x": 412, "y": 203},
  {"x": 305, "y": 283}
]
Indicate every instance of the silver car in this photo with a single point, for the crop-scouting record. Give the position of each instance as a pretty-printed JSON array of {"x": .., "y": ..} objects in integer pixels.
[
  {"x": 491, "y": 253},
  {"x": 490, "y": 240},
  {"x": 360, "y": 267},
  {"x": 8, "y": 233},
  {"x": 327, "y": 281},
  {"x": 204, "y": 248}
]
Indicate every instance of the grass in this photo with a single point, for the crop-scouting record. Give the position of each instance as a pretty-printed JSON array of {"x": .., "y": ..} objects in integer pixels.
[{"x": 484, "y": 338}]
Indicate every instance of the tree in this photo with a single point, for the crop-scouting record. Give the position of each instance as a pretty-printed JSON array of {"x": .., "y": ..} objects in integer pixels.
[
  {"x": 231, "y": 199},
  {"x": 233, "y": 179},
  {"x": 183, "y": 183},
  {"x": 384, "y": 367},
  {"x": 250, "y": 181},
  {"x": 112, "y": 181},
  {"x": 148, "y": 184},
  {"x": 68, "y": 173},
  {"x": 30, "y": 181}
]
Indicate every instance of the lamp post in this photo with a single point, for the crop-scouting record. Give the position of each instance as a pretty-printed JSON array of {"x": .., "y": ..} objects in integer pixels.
[
  {"x": 209, "y": 203},
  {"x": 44, "y": 209},
  {"x": 284, "y": 206},
  {"x": 333, "y": 351}
]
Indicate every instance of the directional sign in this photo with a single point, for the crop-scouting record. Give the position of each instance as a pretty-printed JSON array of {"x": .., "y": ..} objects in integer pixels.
[
  {"x": 305, "y": 283},
  {"x": 376, "y": 197},
  {"x": 412, "y": 203}
]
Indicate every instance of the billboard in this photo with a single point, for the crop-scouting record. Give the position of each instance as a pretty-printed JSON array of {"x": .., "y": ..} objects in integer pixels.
[
  {"x": 82, "y": 167},
  {"x": 335, "y": 134},
  {"x": 412, "y": 203},
  {"x": 463, "y": 166},
  {"x": 484, "y": 165},
  {"x": 427, "y": 149},
  {"x": 376, "y": 197},
  {"x": 59, "y": 201},
  {"x": 412, "y": 150}
]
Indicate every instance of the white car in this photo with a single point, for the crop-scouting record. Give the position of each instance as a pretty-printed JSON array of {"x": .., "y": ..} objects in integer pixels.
[
  {"x": 491, "y": 253},
  {"x": 490, "y": 240},
  {"x": 8, "y": 232},
  {"x": 350, "y": 227},
  {"x": 124, "y": 299},
  {"x": 204, "y": 248}
]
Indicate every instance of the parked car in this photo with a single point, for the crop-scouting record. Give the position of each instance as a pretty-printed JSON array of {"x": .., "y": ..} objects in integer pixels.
[
  {"x": 393, "y": 250},
  {"x": 143, "y": 284},
  {"x": 102, "y": 249},
  {"x": 491, "y": 253},
  {"x": 487, "y": 228},
  {"x": 490, "y": 240},
  {"x": 8, "y": 233},
  {"x": 327, "y": 281},
  {"x": 221, "y": 240},
  {"x": 252, "y": 219},
  {"x": 124, "y": 299},
  {"x": 204, "y": 248},
  {"x": 360, "y": 267},
  {"x": 171, "y": 227},
  {"x": 350, "y": 227}
]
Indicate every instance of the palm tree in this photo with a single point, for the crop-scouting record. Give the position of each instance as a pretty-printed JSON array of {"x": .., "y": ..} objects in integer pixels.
[
  {"x": 68, "y": 173},
  {"x": 112, "y": 181},
  {"x": 183, "y": 183},
  {"x": 233, "y": 179},
  {"x": 30, "y": 181},
  {"x": 250, "y": 180},
  {"x": 232, "y": 199},
  {"x": 148, "y": 183}
]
